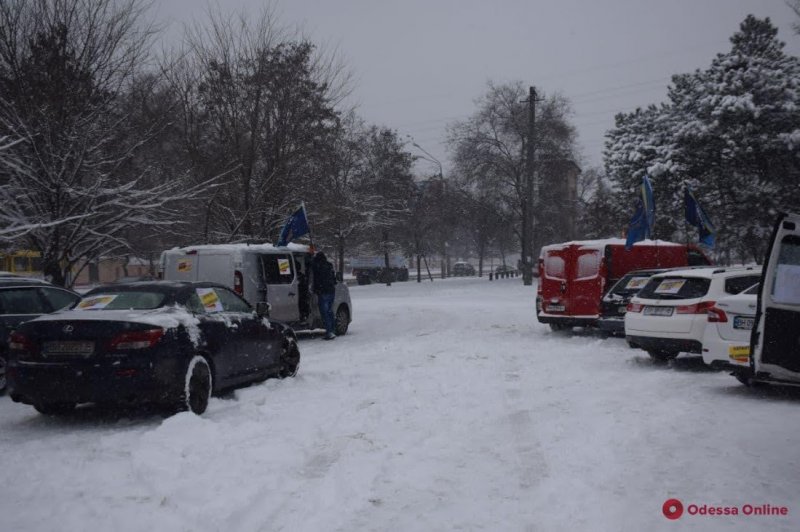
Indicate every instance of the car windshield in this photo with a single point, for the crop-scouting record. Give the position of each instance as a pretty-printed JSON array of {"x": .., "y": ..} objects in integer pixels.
[
  {"x": 134, "y": 300},
  {"x": 675, "y": 288}
]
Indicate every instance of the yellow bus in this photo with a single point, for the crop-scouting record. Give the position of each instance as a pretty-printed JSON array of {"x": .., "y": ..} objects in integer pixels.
[{"x": 22, "y": 262}]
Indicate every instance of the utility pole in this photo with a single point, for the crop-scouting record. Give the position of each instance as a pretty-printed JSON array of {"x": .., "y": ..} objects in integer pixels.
[{"x": 531, "y": 192}]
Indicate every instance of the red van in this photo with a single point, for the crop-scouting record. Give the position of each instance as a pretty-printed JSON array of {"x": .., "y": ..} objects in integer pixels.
[{"x": 573, "y": 276}]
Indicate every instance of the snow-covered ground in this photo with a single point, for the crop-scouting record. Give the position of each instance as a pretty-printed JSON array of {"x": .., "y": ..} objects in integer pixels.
[{"x": 446, "y": 407}]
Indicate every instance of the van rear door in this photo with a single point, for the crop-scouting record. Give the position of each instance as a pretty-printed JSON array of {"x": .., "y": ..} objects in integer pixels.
[
  {"x": 586, "y": 283},
  {"x": 775, "y": 342}
]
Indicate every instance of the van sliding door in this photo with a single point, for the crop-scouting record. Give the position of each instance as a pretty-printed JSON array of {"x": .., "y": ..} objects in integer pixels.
[{"x": 278, "y": 273}]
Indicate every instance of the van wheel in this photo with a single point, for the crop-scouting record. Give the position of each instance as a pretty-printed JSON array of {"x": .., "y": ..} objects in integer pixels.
[
  {"x": 342, "y": 320},
  {"x": 662, "y": 355},
  {"x": 54, "y": 409},
  {"x": 197, "y": 386},
  {"x": 290, "y": 359}
]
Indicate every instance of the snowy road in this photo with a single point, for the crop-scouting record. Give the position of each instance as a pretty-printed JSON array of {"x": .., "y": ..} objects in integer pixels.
[{"x": 446, "y": 407}]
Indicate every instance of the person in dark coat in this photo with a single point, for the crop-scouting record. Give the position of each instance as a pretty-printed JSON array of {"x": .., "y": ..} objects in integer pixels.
[{"x": 325, "y": 288}]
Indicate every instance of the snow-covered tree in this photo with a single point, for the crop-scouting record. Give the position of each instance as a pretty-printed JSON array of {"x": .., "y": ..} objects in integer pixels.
[
  {"x": 731, "y": 132},
  {"x": 69, "y": 184}
]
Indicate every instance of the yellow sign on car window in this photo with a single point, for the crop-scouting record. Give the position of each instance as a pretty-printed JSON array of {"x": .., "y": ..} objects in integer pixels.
[
  {"x": 209, "y": 299},
  {"x": 670, "y": 286},
  {"x": 95, "y": 303},
  {"x": 283, "y": 267}
]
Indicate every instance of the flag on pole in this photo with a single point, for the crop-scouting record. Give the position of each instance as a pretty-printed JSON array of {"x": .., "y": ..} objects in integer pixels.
[
  {"x": 696, "y": 216},
  {"x": 295, "y": 227},
  {"x": 641, "y": 225}
]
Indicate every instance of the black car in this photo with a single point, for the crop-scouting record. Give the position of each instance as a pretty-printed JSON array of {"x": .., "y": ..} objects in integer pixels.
[
  {"x": 170, "y": 343},
  {"x": 463, "y": 269},
  {"x": 21, "y": 300},
  {"x": 615, "y": 301}
]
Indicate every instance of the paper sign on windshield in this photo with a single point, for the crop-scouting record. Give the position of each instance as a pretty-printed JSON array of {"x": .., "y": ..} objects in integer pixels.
[
  {"x": 283, "y": 266},
  {"x": 185, "y": 265},
  {"x": 670, "y": 286},
  {"x": 636, "y": 282},
  {"x": 95, "y": 302},
  {"x": 209, "y": 299}
]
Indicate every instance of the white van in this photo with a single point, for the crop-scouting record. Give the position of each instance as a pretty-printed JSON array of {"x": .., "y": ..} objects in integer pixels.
[
  {"x": 262, "y": 273},
  {"x": 775, "y": 341}
]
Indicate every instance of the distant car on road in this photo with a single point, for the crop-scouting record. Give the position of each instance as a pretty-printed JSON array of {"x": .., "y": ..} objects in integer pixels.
[
  {"x": 171, "y": 343},
  {"x": 463, "y": 269},
  {"x": 23, "y": 299}
]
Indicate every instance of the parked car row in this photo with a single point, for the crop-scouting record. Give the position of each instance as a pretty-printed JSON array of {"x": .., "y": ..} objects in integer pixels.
[
  {"x": 670, "y": 314},
  {"x": 173, "y": 342},
  {"x": 746, "y": 319}
]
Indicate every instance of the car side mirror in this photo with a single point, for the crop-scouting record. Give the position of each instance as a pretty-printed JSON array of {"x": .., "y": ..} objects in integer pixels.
[{"x": 262, "y": 309}]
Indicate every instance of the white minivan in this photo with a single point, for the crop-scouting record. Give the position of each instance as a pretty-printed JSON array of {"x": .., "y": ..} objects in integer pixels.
[
  {"x": 261, "y": 273},
  {"x": 775, "y": 342}
]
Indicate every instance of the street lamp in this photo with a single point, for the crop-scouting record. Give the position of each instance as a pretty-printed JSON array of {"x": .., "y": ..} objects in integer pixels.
[{"x": 431, "y": 159}]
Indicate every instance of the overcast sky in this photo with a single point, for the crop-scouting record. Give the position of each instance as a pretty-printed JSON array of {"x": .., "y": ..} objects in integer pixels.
[{"x": 420, "y": 64}]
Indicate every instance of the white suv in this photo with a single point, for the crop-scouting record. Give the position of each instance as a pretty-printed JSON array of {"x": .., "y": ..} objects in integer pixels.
[{"x": 668, "y": 316}]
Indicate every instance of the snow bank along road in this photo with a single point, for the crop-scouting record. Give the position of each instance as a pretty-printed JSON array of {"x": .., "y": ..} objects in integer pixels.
[{"x": 446, "y": 407}]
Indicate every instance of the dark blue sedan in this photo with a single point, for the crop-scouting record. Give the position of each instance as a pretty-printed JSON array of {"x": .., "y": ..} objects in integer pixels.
[{"x": 171, "y": 343}]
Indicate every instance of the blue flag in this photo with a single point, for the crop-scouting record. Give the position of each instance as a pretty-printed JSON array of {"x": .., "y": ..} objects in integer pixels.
[
  {"x": 296, "y": 226},
  {"x": 696, "y": 216},
  {"x": 641, "y": 225}
]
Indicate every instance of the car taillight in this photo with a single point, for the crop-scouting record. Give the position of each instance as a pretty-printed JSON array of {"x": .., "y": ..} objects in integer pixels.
[
  {"x": 717, "y": 315},
  {"x": 136, "y": 339},
  {"x": 634, "y": 307},
  {"x": 19, "y": 342},
  {"x": 697, "y": 308},
  {"x": 238, "y": 282}
]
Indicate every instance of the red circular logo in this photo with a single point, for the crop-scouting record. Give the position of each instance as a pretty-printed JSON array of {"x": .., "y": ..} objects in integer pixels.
[{"x": 673, "y": 509}]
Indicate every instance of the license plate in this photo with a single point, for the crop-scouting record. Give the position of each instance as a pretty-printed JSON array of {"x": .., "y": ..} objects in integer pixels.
[
  {"x": 67, "y": 348},
  {"x": 658, "y": 311},
  {"x": 556, "y": 308},
  {"x": 743, "y": 322}
]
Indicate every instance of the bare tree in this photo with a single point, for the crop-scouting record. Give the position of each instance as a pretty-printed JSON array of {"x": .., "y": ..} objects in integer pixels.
[
  {"x": 260, "y": 102},
  {"x": 69, "y": 184},
  {"x": 490, "y": 147}
]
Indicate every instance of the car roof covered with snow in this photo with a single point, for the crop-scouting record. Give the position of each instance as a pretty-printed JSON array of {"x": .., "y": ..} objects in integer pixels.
[{"x": 600, "y": 244}]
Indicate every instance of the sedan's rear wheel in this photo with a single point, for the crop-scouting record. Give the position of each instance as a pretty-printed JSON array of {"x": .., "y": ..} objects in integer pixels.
[
  {"x": 198, "y": 384},
  {"x": 342, "y": 321},
  {"x": 662, "y": 355},
  {"x": 54, "y": 409},
  {"x": 2, "y": 374},
  {"x": 290, "y": 359}
]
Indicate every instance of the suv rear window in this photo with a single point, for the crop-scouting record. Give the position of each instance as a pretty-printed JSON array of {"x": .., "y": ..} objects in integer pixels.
[
  {"x": 675, "y": 288},
  {"x": 735, "y": 285}
]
